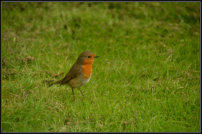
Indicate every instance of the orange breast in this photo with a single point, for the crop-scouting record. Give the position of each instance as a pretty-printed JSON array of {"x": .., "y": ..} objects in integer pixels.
[{"x": 87, "y": 70}]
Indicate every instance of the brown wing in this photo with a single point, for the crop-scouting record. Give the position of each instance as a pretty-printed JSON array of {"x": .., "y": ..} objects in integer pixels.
[{"x": 74, "y": 72}]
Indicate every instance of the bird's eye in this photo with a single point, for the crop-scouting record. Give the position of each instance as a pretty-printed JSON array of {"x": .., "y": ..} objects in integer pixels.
[{"x": 89, "y": 56}]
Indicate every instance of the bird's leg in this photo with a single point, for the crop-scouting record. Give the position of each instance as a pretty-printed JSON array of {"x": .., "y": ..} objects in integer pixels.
[
  {"x": 73, "y": 93},
  {"x": 81, "y": 92}
]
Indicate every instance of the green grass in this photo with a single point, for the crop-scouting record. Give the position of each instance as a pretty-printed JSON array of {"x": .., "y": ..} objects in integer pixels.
[{"x": 147, "y": 78}]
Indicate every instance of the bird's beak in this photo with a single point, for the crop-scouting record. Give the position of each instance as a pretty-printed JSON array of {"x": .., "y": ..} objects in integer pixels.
[{"x": 96, "y": 56}]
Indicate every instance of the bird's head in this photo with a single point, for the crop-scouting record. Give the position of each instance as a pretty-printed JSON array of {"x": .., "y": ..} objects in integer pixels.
[{"x": 86, "y": 57}]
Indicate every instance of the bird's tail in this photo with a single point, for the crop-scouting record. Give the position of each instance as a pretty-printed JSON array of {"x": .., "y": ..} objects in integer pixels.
[{"x": 50, "y": 82}]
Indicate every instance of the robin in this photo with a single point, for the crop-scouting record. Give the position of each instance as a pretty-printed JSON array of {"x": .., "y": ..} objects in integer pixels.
[{"x": 80, "y": 73}]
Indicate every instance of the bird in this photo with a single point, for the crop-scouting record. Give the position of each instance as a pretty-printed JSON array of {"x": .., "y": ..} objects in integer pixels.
[{"x": 80, "y": 72}]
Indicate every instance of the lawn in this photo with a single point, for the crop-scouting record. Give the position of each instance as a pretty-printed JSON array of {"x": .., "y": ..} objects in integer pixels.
[{"x": 147, "y": 78}]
